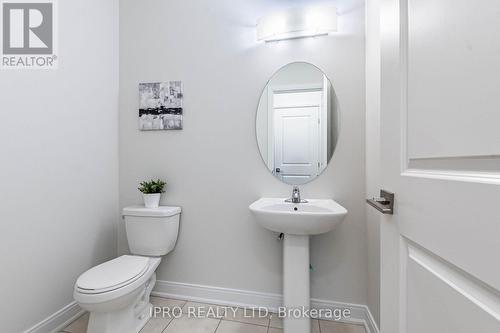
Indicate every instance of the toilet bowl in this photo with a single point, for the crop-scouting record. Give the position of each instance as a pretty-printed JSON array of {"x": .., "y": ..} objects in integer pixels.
[{"x": 116, "y": 293}]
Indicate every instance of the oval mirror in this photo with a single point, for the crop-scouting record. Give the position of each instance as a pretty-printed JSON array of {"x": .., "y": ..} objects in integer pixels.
[{"x": 297, "y": 123}]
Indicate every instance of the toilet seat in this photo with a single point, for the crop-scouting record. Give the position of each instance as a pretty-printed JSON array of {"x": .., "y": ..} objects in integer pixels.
[
  {"x": 117, "y": 292},
  {"x": 112, "y": 275}
]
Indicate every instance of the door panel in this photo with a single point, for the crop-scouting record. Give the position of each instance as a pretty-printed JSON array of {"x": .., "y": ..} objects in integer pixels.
[
  {"x": 442, "y": 298},
  {"x": 296, "y": 134},
  {"x": 296, "y": 143},
  {"x": 453, "y": 78},
  {"x": 444, "y": 217},
  {"x": 440, "y": 150}
]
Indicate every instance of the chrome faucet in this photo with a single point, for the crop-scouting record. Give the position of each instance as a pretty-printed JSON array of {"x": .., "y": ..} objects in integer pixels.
[{"x": 295, "y": 196}]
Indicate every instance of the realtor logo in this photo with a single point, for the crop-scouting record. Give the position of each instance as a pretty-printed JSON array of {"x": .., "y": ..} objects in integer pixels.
[{"x": 28, "y": 34}]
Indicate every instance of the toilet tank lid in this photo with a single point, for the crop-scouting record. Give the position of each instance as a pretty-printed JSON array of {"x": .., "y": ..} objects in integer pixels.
[{"x": 162, "y": 211}]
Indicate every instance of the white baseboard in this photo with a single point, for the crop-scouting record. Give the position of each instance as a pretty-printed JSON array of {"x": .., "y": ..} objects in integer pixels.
[
  {"x": 360, "y": 314},
  {"x": 58, "y": 320}
]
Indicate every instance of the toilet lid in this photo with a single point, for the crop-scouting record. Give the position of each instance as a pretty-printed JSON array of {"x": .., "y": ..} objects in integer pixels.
[{"x": 112, "y": 274}]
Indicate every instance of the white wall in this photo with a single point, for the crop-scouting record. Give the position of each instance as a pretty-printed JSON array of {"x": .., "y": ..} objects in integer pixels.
[
  {"x": 212, "y": 166},
  {"x": 373, "y": 174},
  {"x": 59, "y": 166}
]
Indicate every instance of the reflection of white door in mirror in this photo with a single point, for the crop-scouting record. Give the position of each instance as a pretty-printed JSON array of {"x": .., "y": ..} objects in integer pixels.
[
  {"x": 296, "y": 126},
  {"x": 297, "y": 123}
]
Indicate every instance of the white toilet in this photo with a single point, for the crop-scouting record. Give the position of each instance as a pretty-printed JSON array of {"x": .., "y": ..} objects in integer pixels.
[{"x": 116, "y": 293}]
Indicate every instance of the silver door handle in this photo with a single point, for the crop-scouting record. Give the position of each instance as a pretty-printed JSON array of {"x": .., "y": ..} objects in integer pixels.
[{"x": 384, "y": 204}]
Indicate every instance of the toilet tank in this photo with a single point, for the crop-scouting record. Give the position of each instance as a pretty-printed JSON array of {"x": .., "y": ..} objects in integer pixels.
[{"x": 151, "y": 231}]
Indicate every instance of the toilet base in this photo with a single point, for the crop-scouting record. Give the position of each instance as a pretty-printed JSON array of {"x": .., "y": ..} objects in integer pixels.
[
  {"x": 128, "y": 319},
  {"x": 122, "y": 321}
]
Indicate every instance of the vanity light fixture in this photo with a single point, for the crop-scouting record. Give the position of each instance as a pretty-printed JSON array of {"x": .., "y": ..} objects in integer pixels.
[{"x": 297, "y": 23}]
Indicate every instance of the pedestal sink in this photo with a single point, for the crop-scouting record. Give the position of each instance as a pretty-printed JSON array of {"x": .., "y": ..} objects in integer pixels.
[{"x": 297, "y": 221}]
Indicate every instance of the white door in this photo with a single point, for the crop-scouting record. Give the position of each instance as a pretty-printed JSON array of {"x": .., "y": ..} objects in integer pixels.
[
  {"x": 440, "y": 149},
  {"x": 296, "y": 135}
]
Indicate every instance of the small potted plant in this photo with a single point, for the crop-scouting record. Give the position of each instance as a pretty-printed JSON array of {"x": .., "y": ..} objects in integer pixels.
[{"x": 152, "y": 191}]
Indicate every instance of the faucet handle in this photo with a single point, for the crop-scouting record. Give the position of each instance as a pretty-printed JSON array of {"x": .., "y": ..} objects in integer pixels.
[{"x": 296, "y": 196}]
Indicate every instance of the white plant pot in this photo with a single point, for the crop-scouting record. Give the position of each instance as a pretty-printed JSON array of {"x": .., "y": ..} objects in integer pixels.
[{"x": 152, "y": 200}]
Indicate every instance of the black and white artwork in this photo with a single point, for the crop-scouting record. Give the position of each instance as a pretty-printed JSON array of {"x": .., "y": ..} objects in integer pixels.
[{"x": 160, "y": 106}]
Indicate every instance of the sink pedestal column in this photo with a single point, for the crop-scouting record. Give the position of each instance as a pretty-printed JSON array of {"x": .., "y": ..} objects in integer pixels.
[{"x": 296, "y": 292}]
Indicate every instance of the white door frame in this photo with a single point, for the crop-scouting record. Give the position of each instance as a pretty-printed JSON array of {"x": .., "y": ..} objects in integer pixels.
[{"x": 289, "y": 88}]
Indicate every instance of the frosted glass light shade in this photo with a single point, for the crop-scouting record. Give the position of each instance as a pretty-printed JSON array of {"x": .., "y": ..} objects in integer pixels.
[{"x": 297, "y": 23}]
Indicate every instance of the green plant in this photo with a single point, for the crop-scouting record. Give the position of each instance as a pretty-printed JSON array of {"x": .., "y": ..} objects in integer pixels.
[{"x": 152, "y": 186}]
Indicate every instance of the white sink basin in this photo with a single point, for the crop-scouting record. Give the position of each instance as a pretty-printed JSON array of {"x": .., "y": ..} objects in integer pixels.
[
  {"x": 315, "y": 217},
  {"x": 297, "y": 222}
]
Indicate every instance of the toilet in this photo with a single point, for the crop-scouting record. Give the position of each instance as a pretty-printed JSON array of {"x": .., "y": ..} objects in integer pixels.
[{"x": 116, "y": 293}]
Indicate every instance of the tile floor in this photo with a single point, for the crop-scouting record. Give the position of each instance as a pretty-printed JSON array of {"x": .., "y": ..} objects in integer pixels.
[{"x": 215, "y": 319}]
